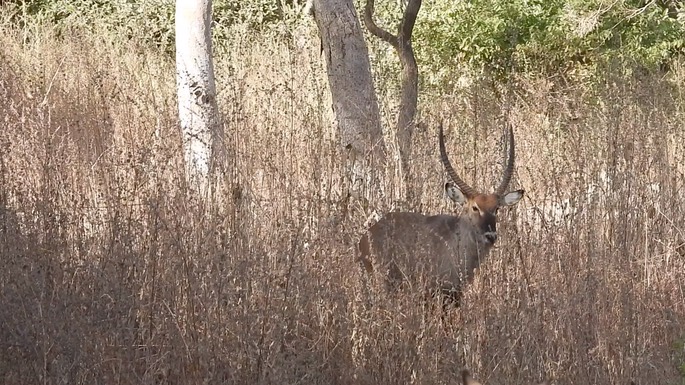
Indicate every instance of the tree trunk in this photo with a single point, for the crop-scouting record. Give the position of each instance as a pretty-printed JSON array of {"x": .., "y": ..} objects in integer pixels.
[
  {"x": 349, "y": 75},
  {"x": 408, "y": 107},
  {"x": 410, "y": 80},
  {"x": 197, "y": 108}
]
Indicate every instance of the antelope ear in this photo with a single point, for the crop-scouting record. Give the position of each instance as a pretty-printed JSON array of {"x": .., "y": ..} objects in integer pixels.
[
  {"x": 511, "y": 198},
  {"x": 454, "y": 193}
]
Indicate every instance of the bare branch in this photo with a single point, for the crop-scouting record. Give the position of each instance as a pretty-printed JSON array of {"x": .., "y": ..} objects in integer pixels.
[
  {"x": 375, "y": 29},
  {"x": 409, "y": 19}
]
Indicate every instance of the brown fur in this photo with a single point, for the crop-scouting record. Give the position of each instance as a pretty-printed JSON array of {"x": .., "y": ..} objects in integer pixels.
[
  {"x": 443, "y": 248},
  {"x": 442, "y": 251}
]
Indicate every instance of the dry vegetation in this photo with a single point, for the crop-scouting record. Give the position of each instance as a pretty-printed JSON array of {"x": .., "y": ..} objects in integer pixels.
[{"x": 110, "y": 274}]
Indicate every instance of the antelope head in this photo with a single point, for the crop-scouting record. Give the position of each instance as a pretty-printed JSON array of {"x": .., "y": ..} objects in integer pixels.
[{"x": 479, "y": 209}]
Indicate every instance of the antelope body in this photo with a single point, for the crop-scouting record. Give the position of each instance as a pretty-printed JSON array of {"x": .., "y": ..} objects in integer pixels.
[{"x": 445, "y": 249}]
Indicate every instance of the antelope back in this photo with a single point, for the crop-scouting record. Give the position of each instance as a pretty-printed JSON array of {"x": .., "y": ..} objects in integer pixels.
[{"x": 404, "y": 245}]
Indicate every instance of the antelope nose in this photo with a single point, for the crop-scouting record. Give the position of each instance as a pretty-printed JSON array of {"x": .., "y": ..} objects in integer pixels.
[{"x": 491, "y": 237}]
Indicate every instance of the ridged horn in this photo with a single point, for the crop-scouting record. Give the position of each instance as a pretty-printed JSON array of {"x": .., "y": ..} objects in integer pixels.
[
  {"x": 509, "y": 170},
  {"x": 465, "y": 188}
]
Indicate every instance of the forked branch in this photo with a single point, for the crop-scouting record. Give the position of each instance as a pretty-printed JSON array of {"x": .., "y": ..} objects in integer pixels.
[
  {"x": 410, "y": 74},
  {"x": 375, "y": 29},
  {"x": 405, "y": 29},
  {"x": 409, "y": 19}
]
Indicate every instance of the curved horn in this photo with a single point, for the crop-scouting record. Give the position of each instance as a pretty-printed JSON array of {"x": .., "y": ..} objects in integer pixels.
[
  {"x": 465, "y": 188},
  {"x": 509, "y": 170}
]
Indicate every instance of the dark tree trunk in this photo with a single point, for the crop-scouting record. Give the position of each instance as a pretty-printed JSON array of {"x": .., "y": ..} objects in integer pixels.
[{"x": 410, "y": 79}]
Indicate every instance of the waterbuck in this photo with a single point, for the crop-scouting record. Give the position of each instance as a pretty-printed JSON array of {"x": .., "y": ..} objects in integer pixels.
[
  {"x": 444, "y": 249},
  {"x": 466, "y": 379}
]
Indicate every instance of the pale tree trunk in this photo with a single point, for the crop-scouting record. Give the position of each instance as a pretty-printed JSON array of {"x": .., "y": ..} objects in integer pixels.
[
  {"x": 351, "y": 83},
  {"x": 410, "y": 79},
  {"x": 197, "y": 108}
]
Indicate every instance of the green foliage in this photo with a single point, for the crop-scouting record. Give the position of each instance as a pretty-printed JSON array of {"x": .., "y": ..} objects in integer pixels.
[
  {"x": 257, "y": 13},
  {"x": 544, "y": 36},
  {"x": 272, "y": 18},
  {"x": 149, "y": 22},
  {"x": 491, "y": 38}
]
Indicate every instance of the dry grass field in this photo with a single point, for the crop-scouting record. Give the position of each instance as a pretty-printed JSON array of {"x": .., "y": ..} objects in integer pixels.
[{"x": 111, "y": 274}]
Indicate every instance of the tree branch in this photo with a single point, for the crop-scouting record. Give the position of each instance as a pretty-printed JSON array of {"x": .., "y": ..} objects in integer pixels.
[
  {"x": 376, "y": 30},
  {"x": 410, "y": 79},
  {"x": 408, "y": 20}
]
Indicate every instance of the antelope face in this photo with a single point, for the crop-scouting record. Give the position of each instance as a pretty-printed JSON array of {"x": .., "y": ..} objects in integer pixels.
[{"x": 481, "y": 210}]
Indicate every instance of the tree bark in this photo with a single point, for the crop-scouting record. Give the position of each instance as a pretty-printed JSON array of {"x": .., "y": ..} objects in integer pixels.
[
  {"x": 349, "y": 75},
  {"x": 197, "y": 108}
]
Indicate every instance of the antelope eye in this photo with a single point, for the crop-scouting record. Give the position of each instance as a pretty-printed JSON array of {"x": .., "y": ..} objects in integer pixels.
[{"x": 475, "y": 209}]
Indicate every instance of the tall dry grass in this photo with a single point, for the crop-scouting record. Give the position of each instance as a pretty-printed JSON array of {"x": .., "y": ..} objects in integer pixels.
[{"x": 110, "y": 273}]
